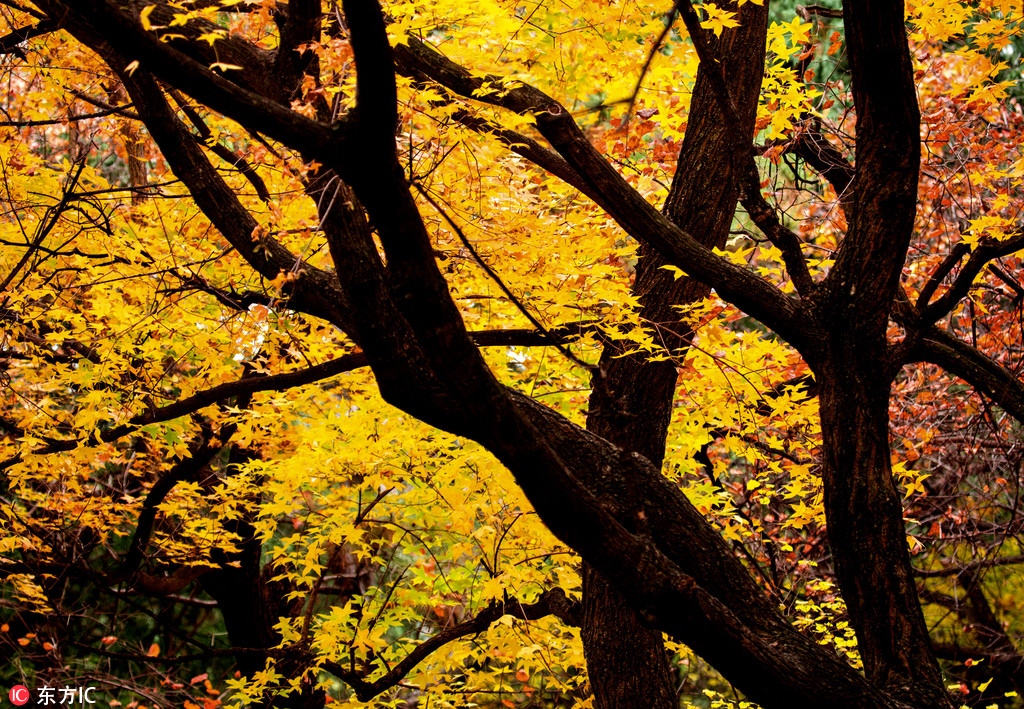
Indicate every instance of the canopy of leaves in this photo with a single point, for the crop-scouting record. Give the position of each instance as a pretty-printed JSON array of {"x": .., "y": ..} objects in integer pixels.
[{"x": 215, "y": 491}]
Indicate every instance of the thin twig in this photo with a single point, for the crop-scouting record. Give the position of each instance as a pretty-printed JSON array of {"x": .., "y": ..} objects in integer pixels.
[{"x": 508, "y": 293}]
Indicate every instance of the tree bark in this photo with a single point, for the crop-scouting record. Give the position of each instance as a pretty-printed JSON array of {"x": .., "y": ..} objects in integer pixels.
[
  {"x": 854, "y": 371},
  {"x": 631, "y": 404}
]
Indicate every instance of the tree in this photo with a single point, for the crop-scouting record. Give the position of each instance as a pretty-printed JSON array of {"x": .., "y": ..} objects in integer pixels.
[{"x": 326, "y": 182}]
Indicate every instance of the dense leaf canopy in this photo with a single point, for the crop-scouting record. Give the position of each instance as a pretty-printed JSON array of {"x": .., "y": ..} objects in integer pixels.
[{"x": 525, "y": 354}]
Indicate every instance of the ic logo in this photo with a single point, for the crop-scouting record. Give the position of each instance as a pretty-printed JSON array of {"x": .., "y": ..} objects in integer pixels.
[{"x": 20, "y": 695}]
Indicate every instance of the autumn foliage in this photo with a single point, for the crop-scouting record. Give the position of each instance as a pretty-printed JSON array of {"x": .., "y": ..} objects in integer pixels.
[{"x": 450, "y": 354}]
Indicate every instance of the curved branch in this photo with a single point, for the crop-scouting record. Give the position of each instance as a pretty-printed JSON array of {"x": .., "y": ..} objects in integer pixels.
[
  {"x": 986, "y": 251},
  {"x": 973, "y": 366},
  {"x": 552, "y": 602},
  {"x": 98, "y": 22},
  {"x": 633, "y": 213},
  {"x": 223, "y": 152},
  {"x": 201, "y": 452},
  {"x": 208, "y": 397},
  {"x": 815, "y": 149}
]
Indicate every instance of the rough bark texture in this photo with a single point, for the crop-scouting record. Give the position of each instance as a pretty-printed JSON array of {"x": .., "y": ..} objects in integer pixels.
[
  {"x": 626, "y": 660},
  {"x": 852, "y": 364},
  {"x": 632, "y": 400}
]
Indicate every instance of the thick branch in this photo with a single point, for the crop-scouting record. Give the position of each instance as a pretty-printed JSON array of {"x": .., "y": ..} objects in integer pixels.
[
  {"x": 102, "y": 21},
  {"x": 747, "y": 174},
  {"x": 453, "y": 382},
  {"x": 883, "y": 201},
  {"x": 671, "y": 565},
  {"x": 960, "y": 359},
  {"x": 639, "y": 218}
]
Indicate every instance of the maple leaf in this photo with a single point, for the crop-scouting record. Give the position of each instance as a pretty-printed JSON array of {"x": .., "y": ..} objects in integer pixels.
[{"x": 717, "y": 18}]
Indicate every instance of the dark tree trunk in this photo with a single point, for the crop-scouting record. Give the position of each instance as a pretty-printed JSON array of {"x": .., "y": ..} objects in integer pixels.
[
  {"x": 631, "y": 404},
  {"x": 853, "y": 367},
  {"x": 866, "y": 531}
]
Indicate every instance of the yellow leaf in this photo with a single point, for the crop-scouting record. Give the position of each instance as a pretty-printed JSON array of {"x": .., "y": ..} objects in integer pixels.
[
  {"x": 676, "y": 272},
  {"x": 144, "y": 18},
  {"x": 718, "y": 19},
  {"x": 211, "y": 37}
]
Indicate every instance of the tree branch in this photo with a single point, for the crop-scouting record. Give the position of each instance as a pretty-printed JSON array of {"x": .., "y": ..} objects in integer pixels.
[
  {"x": 9, "y": 42},
  {"x": 102, "y": 21},
  {"x": 201, "y": 452},
  {"x": 970, "y": 567},
  {"x": 984, "y": 252},
  {"x": 551, "y": 602},
  {"x": 640, "y": 219},
  {"x": 979, "y": 370},
  {"x": 313, "y": 291},
  {"x": 815, "y": 149},
  {"x": 221, "y": 151},
  {"x": 747, "y": 173}
]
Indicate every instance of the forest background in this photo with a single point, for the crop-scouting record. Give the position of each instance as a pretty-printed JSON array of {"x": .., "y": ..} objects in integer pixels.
[{"x": 346, "y": 351}]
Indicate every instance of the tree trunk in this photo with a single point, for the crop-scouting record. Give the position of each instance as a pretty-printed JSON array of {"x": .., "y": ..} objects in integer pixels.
[
  {"x": 853, "y": 367},
  {"x": 631, "y": 404},
  {"x": 866, "y": 531}
]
